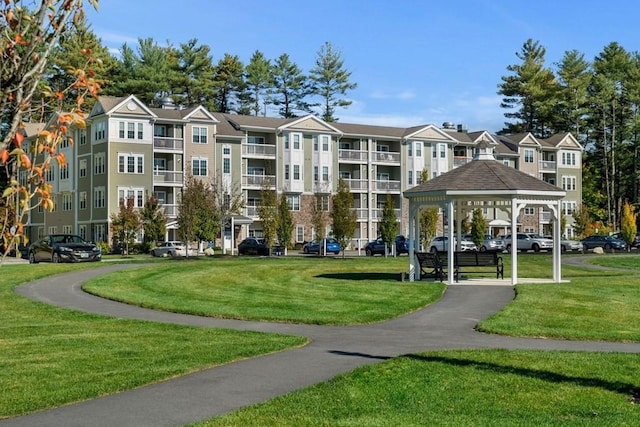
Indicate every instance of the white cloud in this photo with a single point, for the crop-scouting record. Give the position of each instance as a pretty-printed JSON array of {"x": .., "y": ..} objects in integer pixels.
[{"x": 402, "y": 95}]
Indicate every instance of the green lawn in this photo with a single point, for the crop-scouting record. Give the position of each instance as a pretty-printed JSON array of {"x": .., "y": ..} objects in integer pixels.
[
  {"x": 295, "y": 289},
  {"x": 51, "y": 356},
  {"x": 464, "y": 388}
]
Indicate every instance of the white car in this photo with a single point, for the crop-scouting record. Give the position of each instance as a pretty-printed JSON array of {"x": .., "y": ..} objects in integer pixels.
[
  {"x": 173, "y": 249},
  {"x": 529, "y": 241},
  {"x": 441, "y": 244}
]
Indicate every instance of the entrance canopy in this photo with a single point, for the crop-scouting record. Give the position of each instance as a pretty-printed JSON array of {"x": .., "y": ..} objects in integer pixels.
[{"x": 483, "y": 183}]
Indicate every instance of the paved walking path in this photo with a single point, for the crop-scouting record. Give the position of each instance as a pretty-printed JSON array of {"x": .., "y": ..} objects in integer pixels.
[{"x": 447, "y": 324}]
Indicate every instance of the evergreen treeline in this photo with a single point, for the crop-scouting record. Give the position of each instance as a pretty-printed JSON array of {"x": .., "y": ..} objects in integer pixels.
[{"x": 598, "y": 101}]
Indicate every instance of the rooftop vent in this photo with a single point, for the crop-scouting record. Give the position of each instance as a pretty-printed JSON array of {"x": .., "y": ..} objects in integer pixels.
[
  {"x": 448, "y": 125},
  {"x": 167, "y": 103}
]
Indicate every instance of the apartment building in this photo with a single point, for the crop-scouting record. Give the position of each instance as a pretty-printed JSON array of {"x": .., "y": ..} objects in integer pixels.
[{"x": 133, "y": 150}]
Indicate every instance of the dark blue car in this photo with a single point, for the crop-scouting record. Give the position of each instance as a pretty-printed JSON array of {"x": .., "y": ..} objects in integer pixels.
[
  {"x": 314, "y": 247},
  {"x": 377, "y": 247}
]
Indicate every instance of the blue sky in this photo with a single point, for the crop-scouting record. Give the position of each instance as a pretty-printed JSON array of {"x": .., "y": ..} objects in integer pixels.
[{"x": 415, "y": 62}]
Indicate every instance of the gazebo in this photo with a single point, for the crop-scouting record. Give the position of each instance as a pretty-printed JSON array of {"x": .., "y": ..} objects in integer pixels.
[{"x": 483, "y": 183}]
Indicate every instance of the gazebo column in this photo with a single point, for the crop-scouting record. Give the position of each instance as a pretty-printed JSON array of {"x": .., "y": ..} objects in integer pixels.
[
  {"x": 557, "y": 251},
  {"x": 451, "y": 248},
  {"x": 414, "y": 231},
  {"x": 514, "y": 240}
]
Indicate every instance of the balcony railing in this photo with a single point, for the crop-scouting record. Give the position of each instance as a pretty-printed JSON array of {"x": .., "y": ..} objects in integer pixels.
[
  {"x": 547, "y": 166},
  {"x": 171, "y": 211},
  {"x": 363, "y": 213},
  {"x": 167, "y": 177},
  {"x": 357, "y": 156},
  {"x": 386, "y": 157},
  {"x": 167, "y": 143},
  {"x": 258, "y": 150},
  {"x": 385, "y": 185},
  {"x": 357, "y": 184},
  {"x": 258, "y": 180},
  {"x": 460, "y": 160},
  {"x": 545, "y": 217},
  {"x": 252, "y": 211}
]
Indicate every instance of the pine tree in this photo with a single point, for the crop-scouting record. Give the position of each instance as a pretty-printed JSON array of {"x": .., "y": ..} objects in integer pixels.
[
  {"x": 290, "y": 88},
  {"x": 258, "y": 80},
  {"x": 196, "y": 72},
  {"x": 330, "y": 80},
  {"x": 228, "y": 83}
]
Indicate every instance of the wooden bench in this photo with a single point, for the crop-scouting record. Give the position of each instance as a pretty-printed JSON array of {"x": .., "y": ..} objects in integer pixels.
[
  {"x": 477, "y": 259},
  {"x": 430, "y": 265}
]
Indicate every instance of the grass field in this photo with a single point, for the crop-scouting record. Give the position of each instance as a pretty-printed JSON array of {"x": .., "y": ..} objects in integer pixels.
[{"x": 54, "y": 356}]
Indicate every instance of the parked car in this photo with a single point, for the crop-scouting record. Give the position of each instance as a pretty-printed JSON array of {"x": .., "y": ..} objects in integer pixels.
[
  {"x": 606, "y": 242},
  {"x": 529, "y": 242},
  {"x": 315, "y": 247},
  {"x": 253, "y": 246},
  {"x": 634, "y": 244},
  {"x": 63, "y": 248},
  {"x": 441, "y": 244},
  {"x": 173, "y": 249},
  {"x": 489, "y": 243},
  {"x": 568, "y": 245},
  {"x": 378, "y": 246}
]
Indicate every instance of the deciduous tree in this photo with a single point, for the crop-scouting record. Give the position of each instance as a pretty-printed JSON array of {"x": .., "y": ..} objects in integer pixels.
[
  {"x": 154, "y": 220},
  {"x": 285, "y": 221},
  {"x": 267, "y": 211},
  {"x": 478, "y": 227},
  {"x": 628, "y": 225},
  {"x": 197, "y": 212},
  {"x": 388, "y": 225},
  {"x": 343, "y": 216},
  {"x": 125, "y": 225}
]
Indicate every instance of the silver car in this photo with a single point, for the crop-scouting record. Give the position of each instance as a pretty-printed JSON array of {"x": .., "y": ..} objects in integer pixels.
[
  {"x": 529, "y": 241},
  {"x": 441, "y": 244}
]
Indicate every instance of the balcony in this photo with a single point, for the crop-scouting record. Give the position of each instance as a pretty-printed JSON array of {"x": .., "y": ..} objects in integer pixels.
[
  {"x": 171, "y": 211},
  {"x": 256, "y": 181},
  {"x": 357, "y": 185},
  {"x": 460, "y": 160},
  {"x": 252, "y": 211},
  {"x": 168, "y": 144},
  {"x": 259, "y": 150},
  {"x": 167, "y": 177},
  {"x": 386, "y": 157},
  {"x": 362, "y": 214},
  {"x": 352, "y": 156},
  {"x": 545, "y": 217},
  {"x": 547, "y": 166},
  {"x": 386, "y": 186}
]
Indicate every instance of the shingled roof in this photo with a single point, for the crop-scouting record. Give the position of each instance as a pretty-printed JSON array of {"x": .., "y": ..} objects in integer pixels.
[{"x": 483, "y": 176}]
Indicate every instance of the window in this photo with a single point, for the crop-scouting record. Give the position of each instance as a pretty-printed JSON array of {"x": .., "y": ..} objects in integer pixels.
[
  {"x": 49, "y": 175},
  {"x": 67, "y": 201},
  {"x": 99, "y": 197},
  {"x": 296, "y": 172},
  {"x": 99, "y": 233},
  {"x": 140, "y": 131},
  {"x": 286, "y": 141},
  {"x": 161, "y": 196},
  {"x": 568, "y": 159},
  {"x": 67, "y": 229},
  {"x": 325, "y": 173},
  {"x": 325, "y": 142},
  {"x": 296, "y": 141},
  {"x": 410, "y": 177},
  {"x": 528, "y": 156},
  {"x": 82, "y": 136},
  {"x": 82, "y": 231},
  {"x": 137, "y": 194},
  {"x": 131, "y": 163},
  {"x": 82, "y": 196},
  {"x": 52, "y": 229},
  {"x": 443, "y": 151},
  {"x": 98, "y": 164},
  {"x": 100, "y": 131},
  {"x": 529, "y": 211},
  {"x": 226, "y": 165},
  {"x": 65, "y": 142},
  {"x": 383, "y": 148},
  {"x": 159, "y": 164},
  {"x": 226, "y": 151},
  {"x": 199, "y": 135},
  {"x": 322, "y": 202},
  {"x": 505, "y": 162},
  {"x": 569, "y": 207},
  {"x": 418, "y": 149},
  {"x": 64, "y": 172},
  {"x": 410, "y": 149},
  {"x": 83, "y": 168},
  {"x": 128, "y": 130},
  {"x": 199, "y": 166},
  {"x": 569, "y": 183},
  {"x": 299, "y": 233},
  {"x": 315, "y": 143},
  {"x": 286, "y": 171},
  {"x": 294, "y": 201},
  {"x": 434, "y": 152},
  {"x": 315, "y": 173},
  {"x": 255, "y": 140}
]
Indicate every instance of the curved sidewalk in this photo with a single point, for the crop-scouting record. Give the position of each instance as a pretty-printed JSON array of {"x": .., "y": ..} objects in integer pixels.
[{"x": 447, "y": 324}]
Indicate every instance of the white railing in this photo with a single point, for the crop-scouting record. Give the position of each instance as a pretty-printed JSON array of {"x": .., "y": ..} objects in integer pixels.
[
  {"x": 547, "y": 166},
  {"x": 259, "y": 150},
  {"x": 252, "y": 211},
  {"x": 170, "y": 211},
  {"x": 258, "y": 180},
  {"x": 166, "y": 143},
  {"x": 352, "y": 155},
  {"x": 376, "y": 214},
  {"x": 386, "y": 157},
  {"x": 357, "y": 184},
  {"x": 460, "y": 160},
  {"x": 384, "y": 185},
  {"x": 167, "y": 177}
]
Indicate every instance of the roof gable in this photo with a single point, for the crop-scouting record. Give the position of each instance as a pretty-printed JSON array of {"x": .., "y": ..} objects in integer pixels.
[
  {"x": 564, "y": 140},
  {"x": 430, "y": 132},
  {"x": 309, "y": 123},
  {"x": 200, "y": 113}
]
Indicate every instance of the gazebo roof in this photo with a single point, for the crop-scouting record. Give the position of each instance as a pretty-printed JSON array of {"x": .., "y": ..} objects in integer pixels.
[{"x": 482, "y": 177}]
